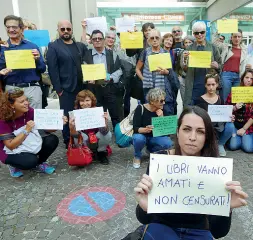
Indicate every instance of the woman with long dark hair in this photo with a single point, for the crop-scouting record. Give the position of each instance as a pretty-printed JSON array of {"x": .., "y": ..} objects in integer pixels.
[
  {"x": 196, "y": 137},
  {"x": 240, "y": 132}
]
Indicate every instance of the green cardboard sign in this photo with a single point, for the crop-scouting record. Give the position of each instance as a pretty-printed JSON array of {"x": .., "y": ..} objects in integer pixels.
[{"x": 164, "y": 125}]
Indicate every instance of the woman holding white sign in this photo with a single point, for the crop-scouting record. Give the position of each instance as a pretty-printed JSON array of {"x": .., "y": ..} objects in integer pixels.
[
  {"x": 99, "y": 137},
  {"x": 142, "y": 126},
  {"x": 196, "y": 137},
  {"x": 212, "y": 98},
  {"x": 240, "y": 132},
  {"x": 21, "y": 146}
]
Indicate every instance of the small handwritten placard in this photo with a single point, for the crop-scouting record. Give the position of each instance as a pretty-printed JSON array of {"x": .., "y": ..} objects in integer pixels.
[
  {"x": 132, "y": 40},
  {"x": 242, "y": 94},
  {"x": 96, "y": 23},
  {"x": 220, "y": 113},
  {"x": 19, "y": 59},
  {"x": 124, "y": 24},
  {"x": 89, "y": 118},
  {"x": 183, "y": 184},
  {"x": 48, "y": 119},
  {"x": 161, "y": 60},
  {"x": 164, "y": 125},
  {"x": 200, "y": 59},
  {"x": 227, "y": 25}
]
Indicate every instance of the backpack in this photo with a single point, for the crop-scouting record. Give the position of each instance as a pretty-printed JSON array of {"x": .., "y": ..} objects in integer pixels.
[{"x": 124, "y": 130}]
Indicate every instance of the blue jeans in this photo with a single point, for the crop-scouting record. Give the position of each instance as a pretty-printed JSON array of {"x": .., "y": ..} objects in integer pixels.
[
  {"x": 157, "y": 231},
  {"x": 229, "y": 80},
  {"x": 236, "y": 142},
  {"x": 154, "y": 144}
]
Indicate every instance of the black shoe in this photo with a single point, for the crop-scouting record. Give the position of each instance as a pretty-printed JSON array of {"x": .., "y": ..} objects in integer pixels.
[{"x": 102, "y": 157}]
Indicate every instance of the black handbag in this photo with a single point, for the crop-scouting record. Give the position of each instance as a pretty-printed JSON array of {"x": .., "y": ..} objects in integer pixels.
[{"x": 136, "y": 88}]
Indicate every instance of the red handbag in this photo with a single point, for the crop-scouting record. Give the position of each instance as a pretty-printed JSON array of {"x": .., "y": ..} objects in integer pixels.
[{"x": 78, "y": 155}]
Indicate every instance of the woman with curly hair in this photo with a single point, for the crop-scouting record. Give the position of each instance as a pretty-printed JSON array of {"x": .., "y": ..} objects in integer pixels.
[
  {"x": 21, "y": 146},
  {"x": 101, "y": 136}
]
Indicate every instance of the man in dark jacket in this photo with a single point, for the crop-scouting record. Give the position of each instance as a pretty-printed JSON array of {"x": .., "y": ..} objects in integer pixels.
[
  {"x": 105, "y": 90},
  {"x": 64, "y": 59}
]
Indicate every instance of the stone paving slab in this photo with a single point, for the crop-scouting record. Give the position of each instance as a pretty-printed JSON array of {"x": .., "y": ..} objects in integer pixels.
[{"x": 28, "y": 205}]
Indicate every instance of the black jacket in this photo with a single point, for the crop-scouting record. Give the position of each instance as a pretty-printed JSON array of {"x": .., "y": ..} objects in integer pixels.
[{"x": 62, "y": 65}]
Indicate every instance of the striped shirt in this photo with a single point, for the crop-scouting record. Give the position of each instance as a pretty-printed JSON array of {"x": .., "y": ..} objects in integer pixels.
[{"x": 151, "y": 79}]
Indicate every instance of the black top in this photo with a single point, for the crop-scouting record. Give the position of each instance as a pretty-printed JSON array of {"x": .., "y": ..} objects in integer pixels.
[
  {"x": 142, "y": 119},
  {"x": 77, "y": 56},
  {"x": 201, "y": 102},
  {"x": 219, "y": 226}
]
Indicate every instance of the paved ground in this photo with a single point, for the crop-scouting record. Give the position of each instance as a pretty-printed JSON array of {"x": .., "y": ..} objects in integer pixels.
[{"x": 28, "y": 206}]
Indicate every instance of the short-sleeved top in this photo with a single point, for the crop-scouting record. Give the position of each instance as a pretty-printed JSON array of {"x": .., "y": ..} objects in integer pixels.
[
  {"x": 151, "y": 79},
  {"x": 233, "y": 63},
  {"x": 7, "y": 128},
  {"x": 143, "y": 118},
  {"x": 242, "y": 115}
]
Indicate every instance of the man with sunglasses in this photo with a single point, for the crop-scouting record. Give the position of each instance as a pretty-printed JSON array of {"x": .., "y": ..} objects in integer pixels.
[
  {"x": 105, "y": 90},
  {"x": 27, "y": 79},
  {"x": 64, "y": 59},
  {"x": 194, "y": 80}
]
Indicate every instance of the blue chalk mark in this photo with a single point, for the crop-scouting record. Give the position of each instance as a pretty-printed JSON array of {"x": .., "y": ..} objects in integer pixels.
[
  {"x": 80, "y": 207},
  {"x": 103, "y": 199}
]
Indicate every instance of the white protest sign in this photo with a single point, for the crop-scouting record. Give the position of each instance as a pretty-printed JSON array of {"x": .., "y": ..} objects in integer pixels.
[
  {"x": 124, "y": 24},
  {"x": 96, "y": 23},
  {"x": 189, "y": 185},
  {"x": 89, "y": 118},
  {"x": 48, "y": 119},
  {"x": 220, "y": 113}
]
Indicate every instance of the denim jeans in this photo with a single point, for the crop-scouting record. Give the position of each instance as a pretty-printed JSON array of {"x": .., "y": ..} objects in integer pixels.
[
  {"x": 229, "y": 80},
  {"x": 161, "y": 232},
  {"x": 236, "y": 142},
  {"x": 154, "y": 144}
]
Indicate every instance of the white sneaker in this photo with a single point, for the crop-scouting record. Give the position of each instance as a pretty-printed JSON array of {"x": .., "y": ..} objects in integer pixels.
[
  {"x": 222, "y": 151},
  {"x": 136, "y": 163}
]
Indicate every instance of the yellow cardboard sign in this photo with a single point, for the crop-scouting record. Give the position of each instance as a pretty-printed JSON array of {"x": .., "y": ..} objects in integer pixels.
[
  {"x": 161, "y": 60},
  {"x": 19, "y": 59},
  {"x": 200, "y": 59},
  {"x": 132, "y": 40},
  {"x": 227, "y": 25},
  {"x": 242, "y": 94},
  {"x": 93, "y": 72}
]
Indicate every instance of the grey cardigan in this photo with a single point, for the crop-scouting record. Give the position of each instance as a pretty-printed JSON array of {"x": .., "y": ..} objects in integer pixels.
[{"x": 190, "y": 71}]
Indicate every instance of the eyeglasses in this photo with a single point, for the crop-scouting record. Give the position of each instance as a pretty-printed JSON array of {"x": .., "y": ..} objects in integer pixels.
[
  {"x": 155, "y": 38},
  {"x": 64, "y": 29},
  {"x": 13, "y": 27},
  {"x": 98, "y": 39},
  {"x": 162, "y": 101},
  {"x": 176, "y": 31},
  {"x": 197, "y": 33}
]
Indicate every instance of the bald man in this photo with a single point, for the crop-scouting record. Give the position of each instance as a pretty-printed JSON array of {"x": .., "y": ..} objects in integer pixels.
[{"x": 64, "y": 59}]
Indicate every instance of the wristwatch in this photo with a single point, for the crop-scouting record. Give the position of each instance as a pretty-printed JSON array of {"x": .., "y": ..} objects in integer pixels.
[{"x": 25, "y": 132}]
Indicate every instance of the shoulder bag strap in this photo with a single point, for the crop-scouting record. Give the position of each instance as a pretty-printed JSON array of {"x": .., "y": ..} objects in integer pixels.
[{"x": 144, "y": 232}]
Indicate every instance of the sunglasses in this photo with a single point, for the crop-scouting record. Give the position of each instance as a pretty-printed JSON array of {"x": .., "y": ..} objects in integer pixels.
[
  {"x": 197, "y": 33},
  {"x": 98, "y": 39},
  {"x": 155, "y": 38},
  {"x": 162, "y": 101},
  {"x": 176, "y": 31},
  {"x": 13, "y": 27},
  {"x": 64, "y": 29}
]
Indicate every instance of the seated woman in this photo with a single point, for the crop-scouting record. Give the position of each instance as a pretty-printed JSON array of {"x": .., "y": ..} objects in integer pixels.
[
  {"x": 16, "y": 127},
  {"x": 212, "y": 98},
  {"x": 86, "y": 99},
  {"x": 142, "y": 127},
  {"x": 195, "y": 138},
  {"x": 240, "y": 132}
]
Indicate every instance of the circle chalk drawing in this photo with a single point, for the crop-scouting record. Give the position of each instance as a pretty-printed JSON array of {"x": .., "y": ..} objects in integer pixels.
[{"x": 91, "y": 205}]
